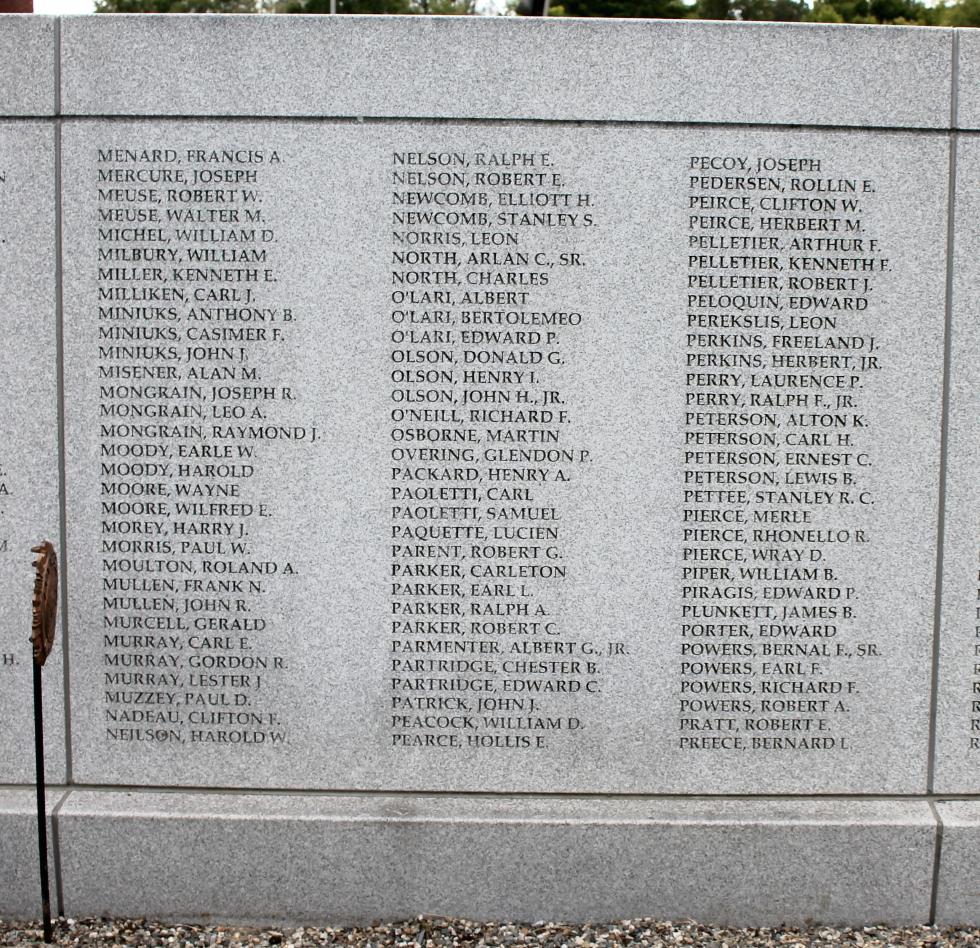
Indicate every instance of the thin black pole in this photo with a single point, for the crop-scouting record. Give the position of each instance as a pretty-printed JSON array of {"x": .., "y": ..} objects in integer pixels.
[{"x": 42, "y": 821}]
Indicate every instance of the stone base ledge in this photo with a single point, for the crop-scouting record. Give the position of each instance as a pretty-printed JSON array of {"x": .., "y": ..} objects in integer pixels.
[
  {"x": 958, "y": 889},
  {"x": 294, "y": 858},
  {"x": 20, "y": 880}
]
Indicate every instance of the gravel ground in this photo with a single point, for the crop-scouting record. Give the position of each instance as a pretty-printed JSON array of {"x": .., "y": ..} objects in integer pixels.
[{"x": 427, "y": 932}]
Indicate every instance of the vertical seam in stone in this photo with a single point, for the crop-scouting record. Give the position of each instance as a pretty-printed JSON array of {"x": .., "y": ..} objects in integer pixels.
[
  {"x": 936, "y": 861},
  {"x": 60, "y": 370},
  {"x": 944, "y": 426},
  {"x": 59, "y": 888}
]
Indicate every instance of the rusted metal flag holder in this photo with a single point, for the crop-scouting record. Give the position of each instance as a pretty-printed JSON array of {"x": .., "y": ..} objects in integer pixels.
[{"x": 44, "y": 618}]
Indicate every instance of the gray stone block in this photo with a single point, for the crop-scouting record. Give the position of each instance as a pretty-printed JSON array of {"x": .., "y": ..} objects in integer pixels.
[
  {"x": 506, "y": 68},
  {"x": 20, "y": 885},
  {"x": 264, "y": 858},
  {"x": 968, "y": 79},
  {"x": 823, "y": 673},
  {"x": 958, "y": 889},
  {"x": 958, "y": 715},
  {"x": 29, "y": 457},
  {"x": 27, "y": 64},
  {"x": 726, "y": 586}
]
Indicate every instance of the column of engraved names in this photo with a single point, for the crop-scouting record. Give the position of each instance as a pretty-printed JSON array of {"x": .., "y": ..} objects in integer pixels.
[
  {"x": 780, "y": 352},
  {"x": 190, "y": 417},
  {"x": 481, "y": 451}
]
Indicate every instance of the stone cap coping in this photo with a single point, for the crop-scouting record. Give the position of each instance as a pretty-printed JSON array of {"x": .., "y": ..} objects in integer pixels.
[
  {"x": 557, "y": 69},
  {"x": 968, "y": 79},
  {"x": 27, "y": 65}
]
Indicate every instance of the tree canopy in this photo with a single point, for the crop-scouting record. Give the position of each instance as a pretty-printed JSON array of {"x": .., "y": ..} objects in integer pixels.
[
  {"x": 285, "y": 6},
  {"x": 176, "y": 6},
  {"x": 900, "y": 12},
  {"x": 884, "y": 12}
]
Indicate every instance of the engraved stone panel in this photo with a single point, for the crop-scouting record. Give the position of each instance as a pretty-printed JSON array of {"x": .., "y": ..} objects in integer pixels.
[
  {"x": 516, "y": 458},
  {"x": 958, "y": 721},
  {"x": 28, "y": 439}
]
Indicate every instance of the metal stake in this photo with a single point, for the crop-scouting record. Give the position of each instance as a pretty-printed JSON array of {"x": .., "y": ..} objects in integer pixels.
[
  {"x": 42, "y": 821},
  {"x": 43, "y": 620}
]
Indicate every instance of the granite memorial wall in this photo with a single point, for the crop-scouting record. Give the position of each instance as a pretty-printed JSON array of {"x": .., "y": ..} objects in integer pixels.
[{"x": 500, "y": 468}]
